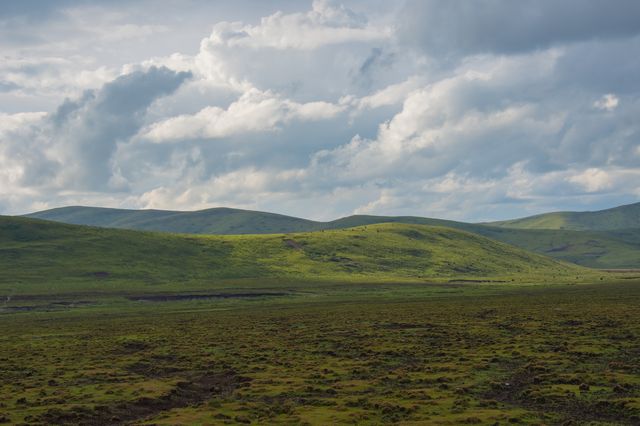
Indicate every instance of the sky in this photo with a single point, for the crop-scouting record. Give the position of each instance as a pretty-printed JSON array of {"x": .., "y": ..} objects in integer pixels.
[{"x": 468, "y": 110}]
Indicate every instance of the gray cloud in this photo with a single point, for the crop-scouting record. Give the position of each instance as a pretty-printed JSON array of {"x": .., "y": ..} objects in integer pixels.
[
  {"x": 72, "y": 147},
  {"x": 8, "y": 86},
  {"x": 446, "y": 28},
  {"x": 322, "y": 110},
  {"x": 90, "y": 129}
]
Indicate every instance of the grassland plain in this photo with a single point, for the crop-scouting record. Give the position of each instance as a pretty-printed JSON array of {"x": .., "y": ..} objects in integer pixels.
[
  {"x": 388, "y": 323},
  {"x": 362, "y": 353}
]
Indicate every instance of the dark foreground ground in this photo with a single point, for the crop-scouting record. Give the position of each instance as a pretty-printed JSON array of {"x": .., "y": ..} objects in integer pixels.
[{"x": 448, "y": 354}]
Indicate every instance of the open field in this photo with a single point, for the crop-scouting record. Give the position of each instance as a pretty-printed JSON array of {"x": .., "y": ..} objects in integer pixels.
[
  {"x": 387, "y": 323},
  {"x": 327, "y": 353},
  {"x": 319, "y": 212}
]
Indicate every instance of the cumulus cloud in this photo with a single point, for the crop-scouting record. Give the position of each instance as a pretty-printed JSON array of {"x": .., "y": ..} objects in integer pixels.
[
  {"x": 390, "y": 95},
  {"x": 71, "y": 148},
  {"x": 20, "y": 150},
  {"x": 304, "y": 55},
  {"x": 444, "y": 125},
  {"x": 254, "y": 111},
  {"x": 88, "y": 130},
  {"x": 476, "y": 111},
  {"x": 592, "y": 180},
  {"x": 326, "y": 23},
  {"x": 48, "y": 75}
]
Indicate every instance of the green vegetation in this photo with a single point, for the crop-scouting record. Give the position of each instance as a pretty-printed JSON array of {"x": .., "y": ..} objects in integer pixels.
[
  {"x": 385, "y": 323},
  {"x": 211, "y": 221},
  {"x": 594, "y": 249},
  {"x": 618, "y": 218},
  {"x": 443, "y": 354},
  {"x": 615, "y": 249},
  {"x": 41, "y": 256},
  {"x": 611, "y": 249}
]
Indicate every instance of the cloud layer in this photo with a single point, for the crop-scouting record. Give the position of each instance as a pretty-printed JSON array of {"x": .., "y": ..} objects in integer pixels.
[{"x": 475, "y": 111}]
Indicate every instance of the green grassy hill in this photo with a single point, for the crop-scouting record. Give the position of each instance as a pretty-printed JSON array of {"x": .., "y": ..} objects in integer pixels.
[
  {"x": 210, "y": 221},
  {"x": 218, "y": 221},
  {"x": 618, "y": 249},
  {"x": 597, "y": 249},
  {"x": 50, "y": 257},
  {"x": 622, "y": 217}
]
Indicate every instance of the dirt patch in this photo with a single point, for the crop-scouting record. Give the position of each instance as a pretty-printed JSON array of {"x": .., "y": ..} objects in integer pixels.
[
  {"x": 101, "y": 274},
  {"x": 558, "y": 249},
  {"x": 413, "y": 234},
  {"x": 53, "y": 306},
  {"x": 405, "y": 326},
  {"x": 18, "y": 308},
  {"x": 293, "y": 244},
  {"x": 184, "y": 394},
  {"x": 519, "y": 390},
  {"x": 152, "y": 369},
  {"x": 179, "y": 297}
]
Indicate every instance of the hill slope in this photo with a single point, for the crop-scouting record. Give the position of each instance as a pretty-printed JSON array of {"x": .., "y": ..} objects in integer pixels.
[
  {"x": 597, "y": 249},
  {"x": 210, "y": 221},
  {"x": 55, "y": 257},
  {"x": 622, "y": 217},
  {"x": 218, "y": 221}
]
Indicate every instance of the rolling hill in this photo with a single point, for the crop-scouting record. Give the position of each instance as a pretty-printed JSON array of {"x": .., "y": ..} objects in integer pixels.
[
  {"x": 617, "y": 218},
  {"x": 218, "y": 221},
  {"x": 45, "y": 256},
  {"x": 615, "y": 249},
  {"x": 210, "y": 221}
]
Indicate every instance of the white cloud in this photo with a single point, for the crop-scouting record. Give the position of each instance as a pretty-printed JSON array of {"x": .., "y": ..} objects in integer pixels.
[
  {"x": 16, "y": 127},
  {"x": 442, "y": 124},
  {"x": 10, "y": 123},
  {"x": 592, "y": 180},
  {"x": 53, "y": 76},
  {"x": 241, "y": 188},
  {"x": 307, "y": 54},
  {"x": 391, "y": 95},
  {"x": 254, "y": 111},
  {"x": 323, "y": 109},
  {"x": 608, "y": 102},
  {"x": 325, "y": 24}
]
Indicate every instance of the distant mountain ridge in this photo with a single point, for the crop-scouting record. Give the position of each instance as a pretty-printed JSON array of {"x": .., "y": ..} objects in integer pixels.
[
  {"x": 621, "y": 217},
  {"x": 598, "y": 245},
  {"x": 221, "y": 220}
]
